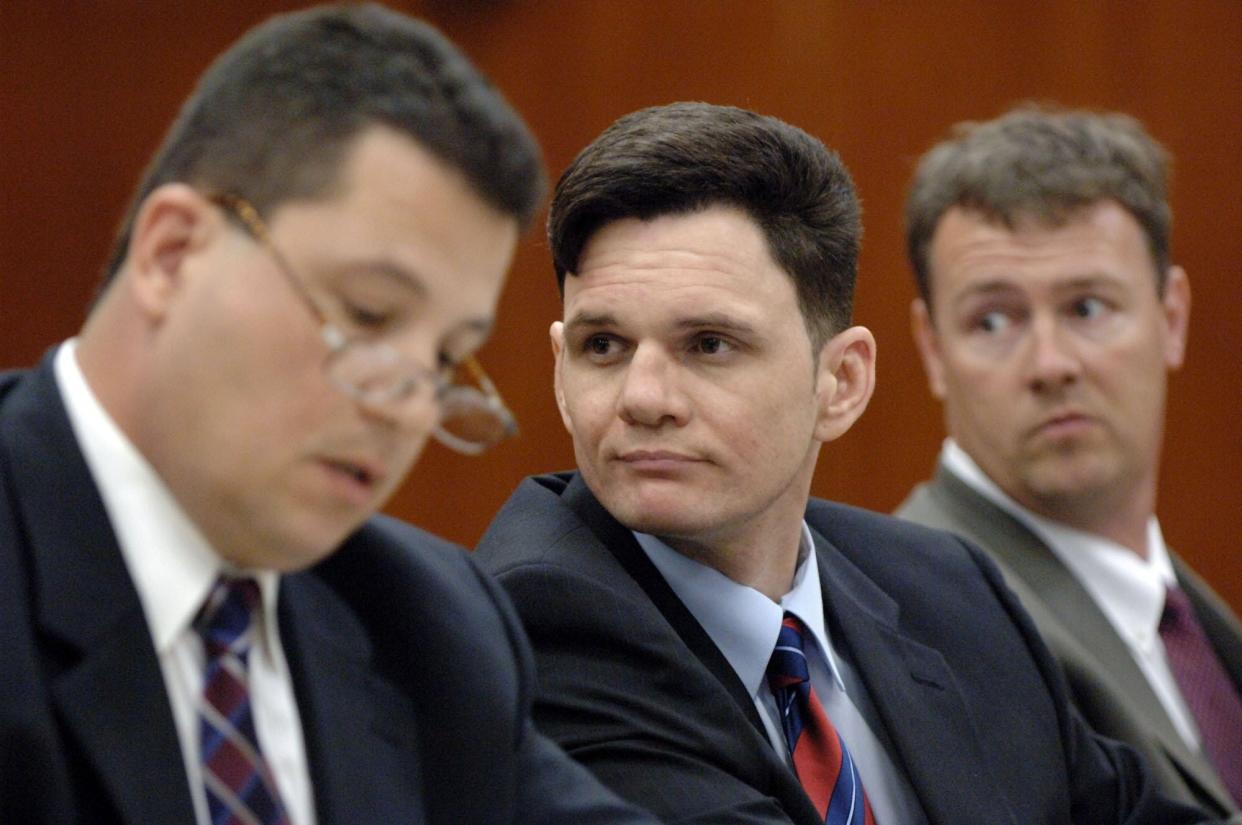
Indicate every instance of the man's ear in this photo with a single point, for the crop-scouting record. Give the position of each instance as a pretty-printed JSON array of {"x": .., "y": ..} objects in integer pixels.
[
  {"x": 845, "y": 381},
  {"x": 1176, "y": 304},
  {"x": 172, "y": 222},
  {"x": 928, "y": 344},
  {"x": 557, "y": 335}
]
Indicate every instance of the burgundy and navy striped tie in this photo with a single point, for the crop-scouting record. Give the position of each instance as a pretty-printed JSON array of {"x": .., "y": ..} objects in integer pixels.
[
  {"x": 821, "y": 760},
  {"x": 240, "y": 787}
]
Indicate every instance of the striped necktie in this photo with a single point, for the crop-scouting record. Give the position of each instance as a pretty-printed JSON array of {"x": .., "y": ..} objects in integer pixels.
[
  {"x": 240, "y": 787},
  {"x": 821, "y": 760}
]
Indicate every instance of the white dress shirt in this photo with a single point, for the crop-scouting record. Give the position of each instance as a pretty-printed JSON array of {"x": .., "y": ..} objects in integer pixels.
[
  {"x": 1128, "y": 588},
  {"x": 173, "y": 568},
  {"x": 744, "y": 625}
]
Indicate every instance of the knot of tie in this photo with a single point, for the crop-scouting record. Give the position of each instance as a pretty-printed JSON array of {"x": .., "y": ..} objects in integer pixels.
[
  {"x": 787, "y": 668},
  {"x": 789, "y": 678},
  {"x": 224, "y": 621},
  {"x": 1177, "y": 610}
]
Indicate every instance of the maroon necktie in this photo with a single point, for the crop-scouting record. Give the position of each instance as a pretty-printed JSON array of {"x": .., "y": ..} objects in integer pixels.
[
  {"x": 239, "y": 783},
  {"x": 1211, "y": 696}
]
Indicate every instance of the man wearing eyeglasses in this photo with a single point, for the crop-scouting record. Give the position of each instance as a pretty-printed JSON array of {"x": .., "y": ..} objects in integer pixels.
[{"x": 201, "y": 617}]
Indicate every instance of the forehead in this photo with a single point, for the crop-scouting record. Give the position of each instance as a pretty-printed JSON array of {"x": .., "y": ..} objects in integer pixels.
[
  {"x": 970, "y": 251},
  {"x": 714, "y": 256},
  {"x": 401, "y": 212}
]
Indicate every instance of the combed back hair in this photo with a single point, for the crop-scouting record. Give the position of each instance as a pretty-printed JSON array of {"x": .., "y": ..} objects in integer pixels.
[
  {"x": 273, "y": 117},
  {"x": 686, "y": 157},
  {"x": 1040, "y": 163}
]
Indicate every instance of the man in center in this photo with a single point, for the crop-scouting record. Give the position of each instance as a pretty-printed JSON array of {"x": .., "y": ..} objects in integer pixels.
[{"x": 711, "y": 641}]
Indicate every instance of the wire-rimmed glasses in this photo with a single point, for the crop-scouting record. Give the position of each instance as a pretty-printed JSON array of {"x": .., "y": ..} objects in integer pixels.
[{"x": 374, "y": 373}]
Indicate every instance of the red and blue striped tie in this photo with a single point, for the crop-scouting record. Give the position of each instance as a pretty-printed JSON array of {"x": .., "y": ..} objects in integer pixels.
[
  {"x": 821, "y": 760},
  {"x": 240, "y": 787}
]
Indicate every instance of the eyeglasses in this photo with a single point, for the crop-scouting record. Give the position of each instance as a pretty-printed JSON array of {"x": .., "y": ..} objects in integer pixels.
[{"x": 375, "y": 374}]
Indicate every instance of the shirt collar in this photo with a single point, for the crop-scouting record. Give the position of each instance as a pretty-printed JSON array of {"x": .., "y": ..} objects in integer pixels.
[
  {"x": 1128, "y": 588},
  {"x": 171, "y": 563},
  {"x": 743, "y": 622}
]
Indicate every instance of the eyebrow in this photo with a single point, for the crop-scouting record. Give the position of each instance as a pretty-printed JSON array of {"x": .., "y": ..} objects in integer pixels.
[
  {"x": 388, "y": 269},
  {"x": 591, "y": 319},
  {"x": 481, "y": 327},
  {"x": 717, "y": 321},
  {"x": 1002, "y": 286},
  {"x": 709, "y": 320},
  {"x": 985, "y": 289}
]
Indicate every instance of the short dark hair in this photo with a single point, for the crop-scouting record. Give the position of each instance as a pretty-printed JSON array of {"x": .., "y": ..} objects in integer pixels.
[
  {"x": 684, "y": 157},
  {"x": 1044, "y": 163},
  {"x": 273, "y": 116}
]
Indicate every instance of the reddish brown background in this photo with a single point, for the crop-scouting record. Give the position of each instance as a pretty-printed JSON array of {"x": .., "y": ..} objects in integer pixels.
[{"x": 87, "y": 89}]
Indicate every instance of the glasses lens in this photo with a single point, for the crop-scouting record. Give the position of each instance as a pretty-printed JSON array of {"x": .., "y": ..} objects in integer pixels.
[
  {"x": 375, "y": 374},
  {"x": 473, "y": 418},
  {"x": 470, "y": 420}
]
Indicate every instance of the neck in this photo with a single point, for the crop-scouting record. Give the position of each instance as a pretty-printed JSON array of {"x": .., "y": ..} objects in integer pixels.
[{"x": 1120, "y": 519}]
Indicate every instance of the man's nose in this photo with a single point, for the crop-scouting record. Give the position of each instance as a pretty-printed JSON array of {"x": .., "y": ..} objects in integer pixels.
[
  {"x": 650, "y": 393},
  {"x": 1053, "y": 360}
]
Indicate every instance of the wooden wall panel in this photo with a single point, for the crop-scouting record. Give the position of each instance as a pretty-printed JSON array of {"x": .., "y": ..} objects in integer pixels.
[{"x": 87, "y": 89}]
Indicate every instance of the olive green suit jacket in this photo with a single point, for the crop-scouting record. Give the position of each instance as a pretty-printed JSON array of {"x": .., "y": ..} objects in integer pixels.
[{"x": 1107, "y": 684}]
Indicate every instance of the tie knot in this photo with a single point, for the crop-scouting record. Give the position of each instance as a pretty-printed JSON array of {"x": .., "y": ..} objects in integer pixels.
[
  {"x": 788, "y": 667},
  {"x": 1177, "y": 608},
  {"x": 225, "y": 617}
]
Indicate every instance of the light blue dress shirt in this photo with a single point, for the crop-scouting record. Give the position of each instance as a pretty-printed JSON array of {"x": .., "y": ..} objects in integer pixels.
[{"x": 745, "y": 623}]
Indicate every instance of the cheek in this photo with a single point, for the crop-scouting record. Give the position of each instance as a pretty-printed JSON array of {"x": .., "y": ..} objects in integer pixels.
[
  {"x": 401, "y": 469},
  {"x": 783, "y": 424},
  {"x": 588, "y": 409},
  {"x": 982, "y": 387}
]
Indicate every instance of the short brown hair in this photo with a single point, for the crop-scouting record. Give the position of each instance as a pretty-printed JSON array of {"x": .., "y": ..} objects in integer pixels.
[
  {"x": 273, "y": 116},
  {"x": 1043, "y": 163},
  {"x": 685, "y": 157}
]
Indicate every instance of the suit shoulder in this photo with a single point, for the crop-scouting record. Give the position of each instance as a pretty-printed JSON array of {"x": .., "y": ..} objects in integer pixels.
[
  {"x": 534, "y": 525},
  {"x": 921, "y": 507},
  {"x": 847, "y": 526},
  {"x": 385, "y": 534},
  {"x": 387, "y": 555},
  {"x": 9, "y": 379}
]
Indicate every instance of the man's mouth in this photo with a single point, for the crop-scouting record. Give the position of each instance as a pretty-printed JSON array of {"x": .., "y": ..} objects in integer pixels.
[{"x": 363, "y": 473}]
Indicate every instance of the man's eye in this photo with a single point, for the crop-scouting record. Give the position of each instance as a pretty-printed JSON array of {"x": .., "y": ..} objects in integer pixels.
[
  {"x": 712, "y": 344},
  {"x": 449, "y": 369},
  {"x": 1088, "y": 308},
  {"x": 361, "y": 316},
  {"x": 599, "y": 344},
  {"x": 994, "y": 322}
]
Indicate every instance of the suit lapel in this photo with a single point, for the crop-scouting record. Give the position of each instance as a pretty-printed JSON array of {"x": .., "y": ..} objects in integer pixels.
[
  {"x": 937, "y": 746},
  {"x": 1066, "y": 614},
  {"x": 360, "y": 734},
  {"x": 620, "y": 542},
  {"x": 1037, "y": 574},
  {"x": 107, "y": 685}
]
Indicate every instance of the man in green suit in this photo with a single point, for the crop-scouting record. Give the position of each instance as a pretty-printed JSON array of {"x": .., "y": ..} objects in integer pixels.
[{"x": 1048, "y": 319}]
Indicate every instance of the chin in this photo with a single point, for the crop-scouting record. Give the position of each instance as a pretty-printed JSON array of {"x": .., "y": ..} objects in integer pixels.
[
  {"x": 669, "y": 520},
  {"x": 308, "y": 547}
]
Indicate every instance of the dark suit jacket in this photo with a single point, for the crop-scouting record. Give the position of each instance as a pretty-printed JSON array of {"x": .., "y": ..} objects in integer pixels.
[
  {"x": 1106, "y": 683},
  {"x": 411, "y": 673},
  {"x": 634, "y": 688}
]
